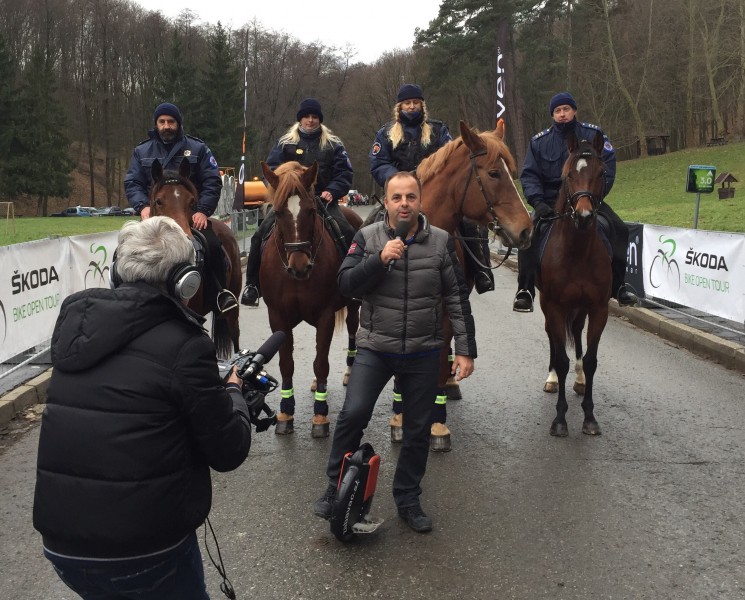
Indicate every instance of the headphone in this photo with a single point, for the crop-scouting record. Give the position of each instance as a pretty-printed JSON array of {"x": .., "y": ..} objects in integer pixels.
[{"x": 183, "y": 279}]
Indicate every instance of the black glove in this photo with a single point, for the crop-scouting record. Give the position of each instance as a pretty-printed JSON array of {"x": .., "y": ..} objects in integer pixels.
[{"x": 542, "y": 210}]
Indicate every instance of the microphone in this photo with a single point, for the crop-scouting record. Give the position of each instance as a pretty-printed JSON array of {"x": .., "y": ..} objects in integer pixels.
[
  {"x": 400, "y": 234},
  {"x": 264, "y": 354}
]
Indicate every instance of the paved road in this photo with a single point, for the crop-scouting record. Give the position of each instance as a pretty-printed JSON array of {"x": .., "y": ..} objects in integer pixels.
[{"x": 652, "y": 509}]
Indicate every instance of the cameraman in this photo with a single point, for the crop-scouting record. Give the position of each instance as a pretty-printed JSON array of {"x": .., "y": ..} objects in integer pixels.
[{"x": 136, "y": 415}]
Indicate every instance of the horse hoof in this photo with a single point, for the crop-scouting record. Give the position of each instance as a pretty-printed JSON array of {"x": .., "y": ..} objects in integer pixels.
[
  {"x": 320, "y": 427},
  {"x": 313, "y": 385},
  {"x": 559, "y": 430},
  {"x": 453, "y": 391},
  {"x": 284, "y": 426},
  {"x": 591, "y": 428},
  {"x": 579, "y": 388},
  {"x": 551, "y": 387},
  {"x": 397, "y": 434},
  {"x": 440, "y": 443}
]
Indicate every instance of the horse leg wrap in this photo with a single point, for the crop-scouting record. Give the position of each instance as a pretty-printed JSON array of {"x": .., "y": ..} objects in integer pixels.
[
  {"x": 320, "y": 406},
  {"x": 398, "y": 403},
  {"x": 351, "y": 354},
  {"x": 287, "y": 403},
  {"x": 439, "y": 411}
]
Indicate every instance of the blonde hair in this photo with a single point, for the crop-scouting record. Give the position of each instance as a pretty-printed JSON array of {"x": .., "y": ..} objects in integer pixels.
[
  {"x": 396, "y": 132},
  {"x": 292, "y": 136}
]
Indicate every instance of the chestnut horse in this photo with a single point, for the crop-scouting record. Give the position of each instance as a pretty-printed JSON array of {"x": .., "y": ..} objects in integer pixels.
[
  {"x": 574, "y": 279},
  {"x": 472, "y": 177},
  {"x": 298, "y": 282},
  {"x": 174, "y": 195}
]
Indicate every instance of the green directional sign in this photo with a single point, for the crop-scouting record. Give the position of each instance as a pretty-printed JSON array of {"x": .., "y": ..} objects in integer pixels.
[{"x": 701, "y": 179}]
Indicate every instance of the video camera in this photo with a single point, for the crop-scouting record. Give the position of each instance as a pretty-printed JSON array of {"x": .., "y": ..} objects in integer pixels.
[{"x": 257, "y": 383}]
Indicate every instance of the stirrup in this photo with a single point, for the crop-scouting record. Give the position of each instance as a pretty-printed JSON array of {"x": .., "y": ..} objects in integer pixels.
[
  {"x": 250, "y": 295},
  {"x": 226, "y": 301},
  {"x": 523, "y": 301}
]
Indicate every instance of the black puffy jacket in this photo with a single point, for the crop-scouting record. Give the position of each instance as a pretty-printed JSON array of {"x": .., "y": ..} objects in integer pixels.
[{"x": 136, "y": 415}]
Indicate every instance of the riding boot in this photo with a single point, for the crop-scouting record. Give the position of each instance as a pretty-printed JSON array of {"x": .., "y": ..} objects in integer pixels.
[
  {"x": 478, "y": 257},
  {"x": 252, "y": 291},
  {"x": 526, "y": 266},
  {"x": 620, "y": 292},
  {"x": 215, "y": 284}
]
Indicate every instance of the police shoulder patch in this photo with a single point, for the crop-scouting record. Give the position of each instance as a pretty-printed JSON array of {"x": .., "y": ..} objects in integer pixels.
[
  {"x": 608, "y": 146},
  {"x": 540, "y": 134},
  {"x": 213, "y": 161},
  {"x": 376, "y": 148}
]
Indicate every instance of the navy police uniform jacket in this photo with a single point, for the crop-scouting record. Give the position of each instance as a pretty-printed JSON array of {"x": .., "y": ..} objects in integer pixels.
[
  {"x": 547, "y": 153},
  {"x": 385, "y": 161},
  {"x": 334, "y": 167},
  {"x": 205, "y": 174}
]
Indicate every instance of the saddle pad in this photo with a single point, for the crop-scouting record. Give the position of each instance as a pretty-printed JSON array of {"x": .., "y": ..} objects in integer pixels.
[{"x": 543, "y": 230}]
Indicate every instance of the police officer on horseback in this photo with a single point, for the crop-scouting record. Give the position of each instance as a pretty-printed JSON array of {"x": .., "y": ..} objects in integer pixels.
[
  {"x": 306, "y": 142},
  {"x": 541, "y": 180},
  {"x": 168, "y": 143},
  {"x": 401, "y": 144}
]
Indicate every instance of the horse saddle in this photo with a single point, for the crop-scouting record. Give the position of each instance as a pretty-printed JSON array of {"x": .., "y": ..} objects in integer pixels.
[{"x": 543, "y": 230}]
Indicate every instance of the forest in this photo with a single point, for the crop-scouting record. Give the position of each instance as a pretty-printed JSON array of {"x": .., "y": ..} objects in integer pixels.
[{"x": 79, "y": 80}]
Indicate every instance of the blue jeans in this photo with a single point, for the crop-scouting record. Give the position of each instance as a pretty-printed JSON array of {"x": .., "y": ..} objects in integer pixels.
[{"x": 175, "y": 575}]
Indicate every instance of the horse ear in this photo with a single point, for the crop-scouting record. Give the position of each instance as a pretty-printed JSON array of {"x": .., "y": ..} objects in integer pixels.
[
  {"x": 572, "y": 142},
  {"x": 184, "y": 169},
  {"x": 156, "y": 170},
  {"x": 499, "y": 129},
  {"x": 598, "y": 142},
  {"x": 309, "y": 176},
  {"x": 471, "y": 138},
  {"x": 269, "y": 175}
]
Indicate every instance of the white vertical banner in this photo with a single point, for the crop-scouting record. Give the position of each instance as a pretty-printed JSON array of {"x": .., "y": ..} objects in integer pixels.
[
  {"x": 35, "y": 278},
  {"x": 90, "y": 257},
  {"x": 704, "y": 270}
]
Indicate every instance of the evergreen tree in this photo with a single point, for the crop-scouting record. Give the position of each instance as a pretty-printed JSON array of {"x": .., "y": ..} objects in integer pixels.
[
  {"x": 219, "y": 120},
  {"x": 177, "y": 80},
  {"x": 39, "y": 162},
  {"x": 7, "y": 79}
]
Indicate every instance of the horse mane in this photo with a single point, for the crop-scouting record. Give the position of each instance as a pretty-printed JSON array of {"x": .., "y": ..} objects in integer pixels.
[
  {"x": 173, "y": 178},
  {"x": 289, "y": 181},
  {"x": 495, "y": 148}
]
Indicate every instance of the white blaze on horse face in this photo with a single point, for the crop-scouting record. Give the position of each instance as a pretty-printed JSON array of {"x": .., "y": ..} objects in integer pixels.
[
  {"x": 293, "y": 205},
  {"x": 581, "y": 164},
  {"x": 177, "y": 193}
]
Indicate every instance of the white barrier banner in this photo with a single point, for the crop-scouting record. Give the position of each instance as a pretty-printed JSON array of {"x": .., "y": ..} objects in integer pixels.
[
  {"x": 35, "y": 279},
  {"x": 699, "y": 269},
  {"x": 91, "y": 259}
]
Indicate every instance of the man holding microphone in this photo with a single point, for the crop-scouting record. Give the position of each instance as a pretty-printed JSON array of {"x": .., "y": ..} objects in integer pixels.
[{"x": 402, "y": 273}]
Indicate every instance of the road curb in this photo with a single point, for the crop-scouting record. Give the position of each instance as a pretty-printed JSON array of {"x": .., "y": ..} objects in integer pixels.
[{"x": 34, "y": 391}]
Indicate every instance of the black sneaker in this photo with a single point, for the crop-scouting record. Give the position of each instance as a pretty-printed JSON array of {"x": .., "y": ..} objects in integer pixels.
[
  {"x": 415, "y": 518},
  {"x": 523, "y": 301},
  {"x": 250, "y": 296},
  {"x": 226, "y": 301},
  {"x": 483, "y": 283},
  {"x": 626, "y": 298},
  {"x": 325, "y": 504}
]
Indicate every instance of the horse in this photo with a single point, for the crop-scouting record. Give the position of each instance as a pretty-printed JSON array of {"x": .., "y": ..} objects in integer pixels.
[
  {"x": 472, "y": 177},
  {"x": 174, "y": 195},
  {"x": 298, "y": 282},
  {"x": 574, "y": 279}
]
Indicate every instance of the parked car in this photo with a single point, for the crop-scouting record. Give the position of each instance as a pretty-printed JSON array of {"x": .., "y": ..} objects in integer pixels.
[
  {"x": 128, "y": 211},
  {"x": 109, "y": 211},
  {"x": 75, "y": 211}
]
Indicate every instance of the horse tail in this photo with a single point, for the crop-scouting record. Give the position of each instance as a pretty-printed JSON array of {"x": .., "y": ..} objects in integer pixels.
[
  {"x": 221, "y": 337},
  {"x": 571, "y": 315},
  {"x": 339, "y": 319}
]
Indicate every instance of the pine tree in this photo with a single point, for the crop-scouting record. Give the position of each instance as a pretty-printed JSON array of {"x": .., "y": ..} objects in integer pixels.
[
  {"x": 219, "y": 121},
  {"x": 177, "y": 82},
  {"x": 39, "y": 162}
]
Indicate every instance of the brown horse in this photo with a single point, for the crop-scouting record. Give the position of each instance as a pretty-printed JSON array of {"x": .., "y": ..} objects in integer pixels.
[
  {"x": 472, "y": 177},
  {"x": 298, "y": 282},
  {"x": 174, "y": 195},
  {"x": 575, "y": 279}
]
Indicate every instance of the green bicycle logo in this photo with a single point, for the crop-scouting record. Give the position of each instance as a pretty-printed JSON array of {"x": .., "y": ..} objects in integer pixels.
[
  {"x": 664, "y": 267},
  {"x": 97, "y": 272}
]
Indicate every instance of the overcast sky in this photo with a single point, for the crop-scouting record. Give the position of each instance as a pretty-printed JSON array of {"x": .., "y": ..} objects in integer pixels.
[{"x": 371, "y": 26}]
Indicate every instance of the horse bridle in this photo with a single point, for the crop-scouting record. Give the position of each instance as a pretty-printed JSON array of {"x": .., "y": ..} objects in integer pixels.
[
  {"x": 306, "y": 246},
  {"x": 493, "y": 225}
]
